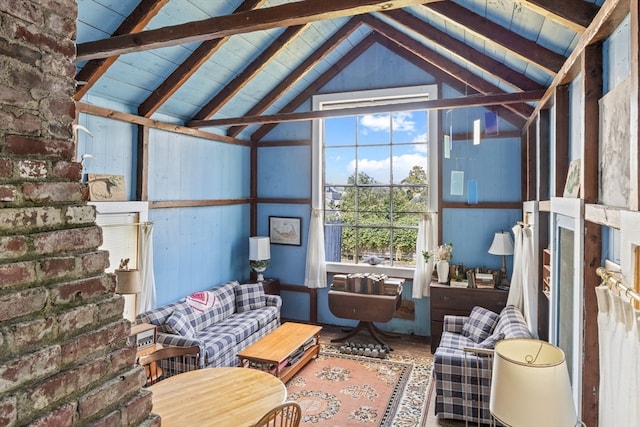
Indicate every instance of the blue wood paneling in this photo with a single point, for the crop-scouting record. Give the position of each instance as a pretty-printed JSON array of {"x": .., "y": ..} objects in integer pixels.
[{"x": 284, "y": 172}]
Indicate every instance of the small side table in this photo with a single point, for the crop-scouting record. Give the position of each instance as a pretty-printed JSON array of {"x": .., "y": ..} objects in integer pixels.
[{"x": 271, "y": 286}]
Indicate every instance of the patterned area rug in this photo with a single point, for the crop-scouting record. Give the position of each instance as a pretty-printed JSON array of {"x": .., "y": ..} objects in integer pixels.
[{"x": 345, "y": 390}]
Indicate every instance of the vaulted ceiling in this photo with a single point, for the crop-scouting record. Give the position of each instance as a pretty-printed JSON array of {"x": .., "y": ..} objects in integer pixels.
[{"x": 237, "y": 68}]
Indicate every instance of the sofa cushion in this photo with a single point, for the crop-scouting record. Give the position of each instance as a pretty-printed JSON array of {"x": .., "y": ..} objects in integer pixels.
[
  {"x": 249, "y": 297},
  {"x": 491, "y": 341},
  {"x": 455, "y": 341},
  {"x": 179, "y": 323},
  {"x": 225, "y": 305},
  {"x": 201, "y": 301},
  {"x": 512, "y": 323},
  {"x": 480, "y": 324}
]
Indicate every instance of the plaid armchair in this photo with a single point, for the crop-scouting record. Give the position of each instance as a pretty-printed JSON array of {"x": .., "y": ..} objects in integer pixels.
[{"x": 464, "y": 360}]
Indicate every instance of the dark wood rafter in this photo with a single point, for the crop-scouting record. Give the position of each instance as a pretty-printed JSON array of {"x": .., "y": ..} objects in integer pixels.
[
  {"x": 445, "y": 64},
  {"x": 527, "y": 50},
  {"x": 573, "y": 14},
  {"x": 284, "y": 15},
  {"x": 232, "y": 89},
  {"x": 294, "y": 76},
  {"x": 135, "y": 22},
  {"x": 516, "y": 80},
  {"x": 188, "y": 67},
  {"x": 142, "y": 164},
  {"x": 436, "y": 104},
  {"x": 312, "y": 88}
]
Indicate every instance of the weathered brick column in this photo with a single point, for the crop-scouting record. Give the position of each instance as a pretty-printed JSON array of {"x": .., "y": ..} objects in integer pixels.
[{"x": 64, "y": 358}]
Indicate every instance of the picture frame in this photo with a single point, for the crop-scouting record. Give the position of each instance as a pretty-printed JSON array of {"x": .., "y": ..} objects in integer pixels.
[
  {"x": 106, "y": 188},
  {"x": 285, "y": 230}
]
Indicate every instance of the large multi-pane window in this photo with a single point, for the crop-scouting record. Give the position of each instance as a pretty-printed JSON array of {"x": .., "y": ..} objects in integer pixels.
[{"x": 375, "y": 175}]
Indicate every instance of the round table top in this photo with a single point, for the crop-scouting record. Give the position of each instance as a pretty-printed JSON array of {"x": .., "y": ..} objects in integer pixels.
[{"x": 217, "y": 397}]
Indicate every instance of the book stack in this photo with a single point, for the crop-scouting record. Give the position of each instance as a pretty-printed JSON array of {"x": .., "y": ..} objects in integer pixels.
[{"x": 484, "y": 281}]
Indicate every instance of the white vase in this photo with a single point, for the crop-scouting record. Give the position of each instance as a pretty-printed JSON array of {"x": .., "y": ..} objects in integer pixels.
[{"x": 442, "y": 267}]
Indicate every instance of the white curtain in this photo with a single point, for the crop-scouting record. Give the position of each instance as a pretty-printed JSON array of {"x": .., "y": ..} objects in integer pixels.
[
  {"x": 147, "y": 298},
  {"x": 522, "y": 291},
  {"x": 619, "y": 344},
  {"x": 316, "y": 269},
  {"x": 425, "y": 242}
]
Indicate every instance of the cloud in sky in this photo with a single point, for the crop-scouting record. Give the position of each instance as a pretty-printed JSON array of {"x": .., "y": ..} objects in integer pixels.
[
  {"x": 379, "y": 169},
  {"x": 380, "y": 122}
]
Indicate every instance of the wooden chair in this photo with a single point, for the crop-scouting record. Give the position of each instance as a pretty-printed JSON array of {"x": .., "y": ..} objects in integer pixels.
[
  {"x": 169, "y": 361},
  {"x": 287, "y": 414}
]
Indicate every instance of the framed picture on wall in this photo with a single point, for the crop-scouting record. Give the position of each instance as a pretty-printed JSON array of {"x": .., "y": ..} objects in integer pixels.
[{"x": 285, "y": 230}]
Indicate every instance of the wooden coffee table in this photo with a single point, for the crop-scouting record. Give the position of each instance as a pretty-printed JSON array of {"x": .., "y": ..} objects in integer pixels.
[{"x": 273, "y": 352}]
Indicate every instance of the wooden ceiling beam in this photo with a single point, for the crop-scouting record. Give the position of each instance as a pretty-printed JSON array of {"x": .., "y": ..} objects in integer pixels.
[
  {"x": 516, "y": 80},
  {"x": 573, "y": 14},
  {"x": 436, "y": 104},
  {"x": 284, "y": 15},
  {"x": 188, "y": 67},
  {"x": 525, "y": 49},
  {"x": 135, "y": 22},
  {"x": 234, "y": 86},
  {"x": 445, "y": 64},
  {"x": 294, "y": 76},
  {"x": 318, "y": 83}
]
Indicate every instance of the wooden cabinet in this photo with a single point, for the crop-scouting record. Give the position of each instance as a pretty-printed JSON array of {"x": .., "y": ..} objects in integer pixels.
[
  {"x": 271, "y": 286},
  {"x": 460, "y": 301}
]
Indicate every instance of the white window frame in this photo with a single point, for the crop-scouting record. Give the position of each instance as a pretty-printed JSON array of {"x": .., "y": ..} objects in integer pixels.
[{"x": 317, "y": 179}]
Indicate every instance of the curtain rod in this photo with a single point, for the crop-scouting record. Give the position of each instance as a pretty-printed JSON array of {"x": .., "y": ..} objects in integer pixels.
[
  {"x": 615, "y": 282},
  {"x": 128, "y": 224}
]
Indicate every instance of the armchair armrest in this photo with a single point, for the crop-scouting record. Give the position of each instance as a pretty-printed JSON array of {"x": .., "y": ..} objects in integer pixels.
[
  {"x": 274, "y": 300},
  {"x": 453, "y": 323},
  {"x": 479, "y": 351},
  {"x": 182, "y": 341}
]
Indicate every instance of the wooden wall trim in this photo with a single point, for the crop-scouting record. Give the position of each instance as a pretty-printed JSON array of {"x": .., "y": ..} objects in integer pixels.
[
  {"x": 592, "y": 72},
  {"x": 165, "y": 204},
  {"x": 284, "y": 201},
  {"x": 543, "y": 155},
  {"x": 608, "y": 216},
  {"x": 482, "y": 205},
  {"x": 561, "y": 148},
  {"x": 313, "y": 299},
  {"x": 142, "y": 165}
]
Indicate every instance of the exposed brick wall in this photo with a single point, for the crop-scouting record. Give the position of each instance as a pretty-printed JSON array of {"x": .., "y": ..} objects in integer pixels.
[{"x": 64, "y": 358}]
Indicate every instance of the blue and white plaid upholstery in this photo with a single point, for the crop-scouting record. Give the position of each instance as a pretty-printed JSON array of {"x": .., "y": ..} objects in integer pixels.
[
  {"x": 463, "y": 378},
  {"x": 480, "y": 324},
  {"x": 220, "y": 332},
  {"x": 249, "y": 297}
]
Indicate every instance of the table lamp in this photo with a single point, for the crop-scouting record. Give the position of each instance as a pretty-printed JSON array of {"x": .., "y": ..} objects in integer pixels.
[
  {"x": 530, "y": 385},
  {"x": 502, "y": 245},
  {"x": 259, "y": 255}
]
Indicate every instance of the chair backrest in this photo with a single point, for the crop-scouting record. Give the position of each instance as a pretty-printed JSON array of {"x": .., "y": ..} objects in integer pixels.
[
  {"x": 287, "y": 414},
  {"x": 169, "y": 361}
]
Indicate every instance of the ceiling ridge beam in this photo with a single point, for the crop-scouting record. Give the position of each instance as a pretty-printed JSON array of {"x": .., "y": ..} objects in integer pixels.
[
  {"x": 525, "y": 49},
  {"x": 256, "y": 66},
  {"x": 301, "y": 70},
  {"x": 188, "y": 67},
  {"x": 439, "y": 61},
  {"x": 135, "y": 22},
  {"x": 436, "y": 104},
  {"x": 484, "y": 62},
  {"x": 573, "y": 14},
  {"x": 284, "y": 15},
  {"x": 318, "y": 83}
]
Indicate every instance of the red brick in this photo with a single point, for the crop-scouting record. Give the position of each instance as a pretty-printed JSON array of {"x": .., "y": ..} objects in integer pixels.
[
  {"x": 13, "y": 247},
  {"x": 76, "y": 319},
  {"x": 26, "y": 11},
  {"x": 81, "y": 215},
  {"x": 22, "y": 303},
  {"x": 6, "y": 165},
  {"x": 67, "y": 170},
  {"x": 81, "y": 290},
  {"x": 23, "y": 335},
  {"x": 75, "y": 239},
  {"x": 8, "y": 411},
  {"x": 32, "y": 169},
  {"x": 111, "y": 308},
  {"x": 109, "y": 394},
  {"x": 24, "y": 55},
  {"x": 137, "y": 409},
  {"x": 123, "y": 358},
  {"x": 95, "y": 342},
  {"x": 17, "y": 273},
  {"x": 53, "y": 268},
  {"x": 29, "y": 367},
  {"x": 63, "y": 416},
  {"x": 46, "y": 192},
  {"x": 7, "y": 193},
  {"x": 29, "y": 218},
  {"x": 25, "y": 146},
  {"x": 20, "y": 120},
  {"x": 94, "y": 262},
  {"x": 114, "y": 419},
  {"x": 63, "y": 107},
  {"x": 56, "y": 45}
]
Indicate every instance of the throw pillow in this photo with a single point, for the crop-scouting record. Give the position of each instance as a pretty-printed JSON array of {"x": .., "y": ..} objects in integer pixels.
[
  {"x": 249, "y": 297},
  {"x": 179, "y": 323},
  {"x": 201, "y": 301},
  {"x": 480, "y": 324},
  {"x": 491, "y": 341}
]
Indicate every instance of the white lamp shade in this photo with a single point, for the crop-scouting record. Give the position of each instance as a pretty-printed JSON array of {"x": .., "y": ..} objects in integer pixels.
[
  {"x": 128, "y": 282},
  {"x": 530, "y": 385},
  {"x": 502, "y": 244},
  {"x": 259, "y": 248}
]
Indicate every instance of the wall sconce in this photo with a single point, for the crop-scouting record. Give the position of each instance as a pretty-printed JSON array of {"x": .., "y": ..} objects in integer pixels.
[
  {"x": 259, "y": 255},
  {"x": 502, "y": 245}
]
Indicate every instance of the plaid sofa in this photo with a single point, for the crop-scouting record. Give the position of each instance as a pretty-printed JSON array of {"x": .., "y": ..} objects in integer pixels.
[
  {"x": 235, "y": 315},
  {"x": 463, "y": 362}
]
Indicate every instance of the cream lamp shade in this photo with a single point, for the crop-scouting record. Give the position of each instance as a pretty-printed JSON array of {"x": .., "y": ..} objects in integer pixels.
[
  {"x": 128, "y": 282},
  {"x": 502, "y": 244},
  {"x": 259, "y": 254},
  {"x": 530, "y": 385}
]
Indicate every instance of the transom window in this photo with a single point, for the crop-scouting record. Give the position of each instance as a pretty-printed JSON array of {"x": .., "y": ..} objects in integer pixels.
[{"x": 375, "y": 174}]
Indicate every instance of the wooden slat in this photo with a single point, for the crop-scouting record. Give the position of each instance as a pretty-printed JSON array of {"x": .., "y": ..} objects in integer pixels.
[
  {"x": 489, "y": 65},
  {"x": 543, "y": 155},
  {"x": 233, "y": 87},
  {"x": 532, "y": 168},
  {"x": 142, "y": 164},
  {"x": 135, "y": 22},
  {"x": 284, "y": 15},
  {"x": 294, "y": 76},
  {"x": 525, "y": 49},
  {"x": 592, "y": 90},
  {"x": 165, "y": 204},
  {"x": 561, "y": 148},
  {"x": 437, "y": 104},
  {"x": 188, "y": 68},
  {"x": 573, "y": 14},
  {"x": 283, "y": 201},
  {"x": 608, "y": 216}
]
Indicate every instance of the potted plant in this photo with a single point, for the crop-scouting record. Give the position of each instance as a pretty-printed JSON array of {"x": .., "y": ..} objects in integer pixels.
[{"x": 442, "y": 255}]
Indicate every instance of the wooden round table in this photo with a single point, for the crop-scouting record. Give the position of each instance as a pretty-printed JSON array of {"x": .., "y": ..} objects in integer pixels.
[{"x": 217, "y": 397}]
